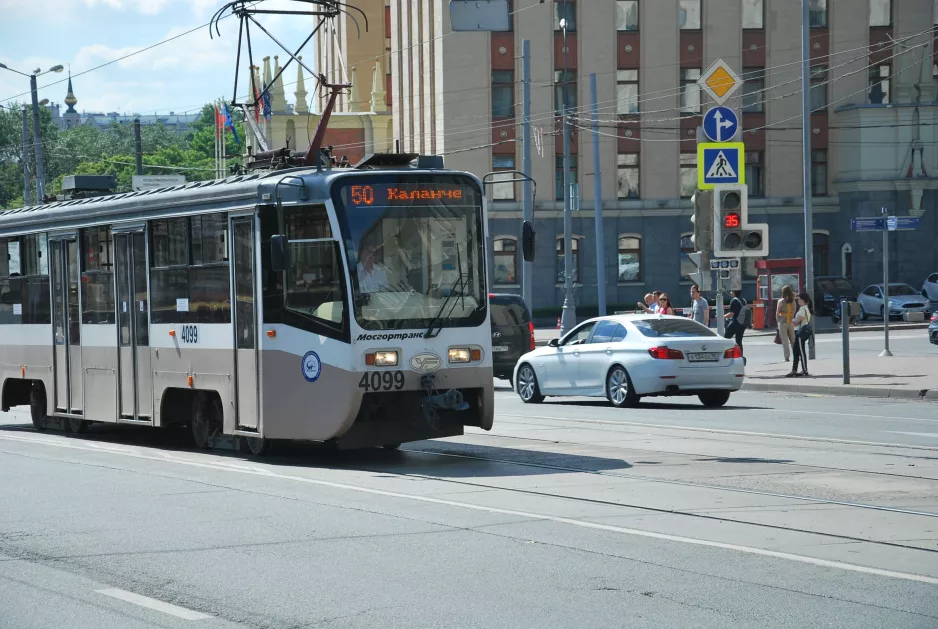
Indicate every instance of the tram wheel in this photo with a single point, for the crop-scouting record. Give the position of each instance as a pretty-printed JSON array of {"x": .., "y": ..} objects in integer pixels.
[
  {"x": 206, "y": 415},
  {"x": 257, "y": 446},
  {"x": 75, "y": 425},
  {"x": 37, "y": 409}
]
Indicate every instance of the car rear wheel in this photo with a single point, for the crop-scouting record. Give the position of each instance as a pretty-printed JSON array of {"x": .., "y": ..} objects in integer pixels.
[
  {"x": 714, "y": 399},
  {"x": 527, "y": 389},
  {"x": 862, "y": 313},
  {"x": 619, "y": 390}
]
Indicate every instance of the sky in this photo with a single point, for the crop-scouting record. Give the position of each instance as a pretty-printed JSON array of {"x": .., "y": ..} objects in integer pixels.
[{"x": 178, "y": 76}]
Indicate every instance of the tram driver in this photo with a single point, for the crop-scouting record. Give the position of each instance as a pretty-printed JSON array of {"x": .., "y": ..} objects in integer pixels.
[{"x": 372, "y": 276}]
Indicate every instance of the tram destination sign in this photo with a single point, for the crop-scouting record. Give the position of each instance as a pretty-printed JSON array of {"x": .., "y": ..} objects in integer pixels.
[{"x": 405, "y": 193}]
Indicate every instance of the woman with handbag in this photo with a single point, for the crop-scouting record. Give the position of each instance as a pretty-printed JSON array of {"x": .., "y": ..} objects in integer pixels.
[
  {"x": 803, "y": 331},
  {"x": 784, "y": 315}
]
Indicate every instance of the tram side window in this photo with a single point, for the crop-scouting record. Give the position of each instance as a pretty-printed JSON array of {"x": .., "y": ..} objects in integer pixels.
[
  {"x": 189, "y": 281},
  {"x": 312, "y": 296},
  {"x": 24, "y": 280},
  {"x": 97, "y": 276}
]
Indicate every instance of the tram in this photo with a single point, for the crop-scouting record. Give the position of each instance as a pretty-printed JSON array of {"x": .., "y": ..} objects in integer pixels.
[{"x": 339, "y": 305}]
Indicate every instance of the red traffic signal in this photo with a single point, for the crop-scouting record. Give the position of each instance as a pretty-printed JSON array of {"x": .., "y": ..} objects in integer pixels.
[{"x": 732, "y": 220}]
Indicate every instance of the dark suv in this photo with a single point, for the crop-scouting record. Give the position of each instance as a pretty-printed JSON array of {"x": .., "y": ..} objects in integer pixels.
[
  {"x": 829, "y": 290},
  {"x": 512, "y": 332}
]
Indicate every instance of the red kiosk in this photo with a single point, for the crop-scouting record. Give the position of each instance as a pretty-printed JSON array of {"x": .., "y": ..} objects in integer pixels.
[{"x": 771, "y": 276}]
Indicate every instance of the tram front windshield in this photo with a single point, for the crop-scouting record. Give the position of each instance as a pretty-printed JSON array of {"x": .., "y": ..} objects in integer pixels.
[{"x": 415, "y": 249}]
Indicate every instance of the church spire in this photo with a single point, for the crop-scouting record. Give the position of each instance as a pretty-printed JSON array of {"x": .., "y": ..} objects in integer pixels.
[
  {"x": 70, "y": 99},
  {"x": 301, "y": 106}
]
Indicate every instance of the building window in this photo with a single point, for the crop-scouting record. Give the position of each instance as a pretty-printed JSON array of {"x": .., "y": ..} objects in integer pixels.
[
  {"x": 562, "y": 79},
  {"x": 628, "y": 175},
  {"x": 627, "y": 91},
  {"x": 690, "y": 91},
  {"x": 755, "y": 174},
  {"x": 630, "y": 259},
  {"x": 687, "y": 248},
  {"x": 818, "y": 94},
  {"x": 821, "y": 253},
  {"x": 880, "y": 12},
  {"x": 565, "y": 10},
  {"x": 506, "y": 261},
  {"x": 558, "y": 176},
  {"x": 503, "y": 93},
  {"x": 689, "y": 15},
  {"x": 879, "y": 85},
  {"x": 753, "y": 90},
  {"x": 819, "y": 173},
  {"x": 753, "y": 14},
  {"x": 688, "y": 174},
  {"x": 627, "y": 15},
  {"x": 503, "y": 190},
  {"x": 817, "y": 13},
  {"x": 560, "y": 260}
]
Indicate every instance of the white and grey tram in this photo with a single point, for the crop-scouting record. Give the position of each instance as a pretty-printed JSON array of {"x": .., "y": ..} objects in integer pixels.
[{"x": 346, "y": 306}]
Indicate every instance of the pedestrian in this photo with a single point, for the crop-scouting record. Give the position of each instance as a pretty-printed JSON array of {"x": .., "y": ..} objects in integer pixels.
[
  {"x": 700, "y": 309},
  {"x": 736, "y": 324},
  {"x": 784, "y": 315},
  {"x": 651, "y": 303},
  {"x": 664, "y": 305},
  {"x": 803, "y": 330}
]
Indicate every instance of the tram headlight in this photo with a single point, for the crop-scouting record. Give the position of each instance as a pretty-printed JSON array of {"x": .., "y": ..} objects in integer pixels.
[
  {"x": 460, "y": 354},
  {"x": 386, "y": 358}
]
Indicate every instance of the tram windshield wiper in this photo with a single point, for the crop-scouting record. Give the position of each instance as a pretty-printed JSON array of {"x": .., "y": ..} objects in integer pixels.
[{"x": 435, "y": 323}]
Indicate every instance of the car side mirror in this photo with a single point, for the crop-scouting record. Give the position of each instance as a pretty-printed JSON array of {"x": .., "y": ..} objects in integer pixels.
[
  {"x": 278, "y": 252},
  {"x": 553, "y": 343},
  {"x": 527, "y": 241}
]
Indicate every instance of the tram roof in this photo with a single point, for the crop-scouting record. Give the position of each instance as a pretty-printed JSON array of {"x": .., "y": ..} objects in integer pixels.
[{"x": 218, "y": 195}]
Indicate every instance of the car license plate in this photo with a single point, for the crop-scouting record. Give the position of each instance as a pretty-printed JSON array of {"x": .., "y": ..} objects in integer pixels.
[
  {"x": 703, "y": 357},
  {"x": 500, "y": 348}
]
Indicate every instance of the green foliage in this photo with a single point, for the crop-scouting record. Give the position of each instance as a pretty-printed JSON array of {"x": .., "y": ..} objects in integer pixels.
[{"x": 87, "y": 150}]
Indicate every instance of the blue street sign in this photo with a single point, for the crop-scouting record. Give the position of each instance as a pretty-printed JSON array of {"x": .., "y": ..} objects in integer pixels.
[
  {"x": 866, "y": 224},
  {"x": 907, "y": 222},
  {"x": 720, "y": 124},
  {"x": 891, "y": 223},
  {"x": 720, "y": 163}
]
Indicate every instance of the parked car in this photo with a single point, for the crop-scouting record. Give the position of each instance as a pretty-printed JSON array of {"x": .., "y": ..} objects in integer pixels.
[
  {"x": 930, "y": 290},
  {"x": 829, "y": 290},
  {"x": 626, "y": 357},
  {"x": 512, "y": 332},
  {"x": 933, "y": 329},
  {"x": 902, "y": 298}
]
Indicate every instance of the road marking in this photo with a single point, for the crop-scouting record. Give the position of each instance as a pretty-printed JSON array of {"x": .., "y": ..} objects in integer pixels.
[
  {"x": 930, "y": 435},
  {"x": 154, "y": 604},
  {"x": 742, "y": 433},
  {"x": 255, "y": 471}
]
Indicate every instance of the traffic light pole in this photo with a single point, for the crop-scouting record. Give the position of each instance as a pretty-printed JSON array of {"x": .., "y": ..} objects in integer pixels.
[{"x": 806, "y": 158}]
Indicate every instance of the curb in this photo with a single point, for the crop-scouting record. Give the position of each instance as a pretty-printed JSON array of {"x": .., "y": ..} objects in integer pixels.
[{"x": 894, "y": 393}]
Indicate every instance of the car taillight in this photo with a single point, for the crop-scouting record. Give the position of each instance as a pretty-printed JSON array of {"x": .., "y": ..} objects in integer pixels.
[
  {"x": 531, "y": 330},
  {"x": 934, "y": 317},
  {"x": 733, "y": 352},
  {"x": 666, "y": 353}
]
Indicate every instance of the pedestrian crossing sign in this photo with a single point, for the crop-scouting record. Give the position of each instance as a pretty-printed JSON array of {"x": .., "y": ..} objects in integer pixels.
[{"x": 720, "y": 163}]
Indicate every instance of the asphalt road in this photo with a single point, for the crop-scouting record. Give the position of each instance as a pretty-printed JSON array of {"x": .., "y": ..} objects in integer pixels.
[{"x": 776, "y": 511}]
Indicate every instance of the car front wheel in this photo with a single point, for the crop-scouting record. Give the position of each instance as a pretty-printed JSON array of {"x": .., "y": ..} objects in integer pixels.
[{"x": 527, "y": 389}]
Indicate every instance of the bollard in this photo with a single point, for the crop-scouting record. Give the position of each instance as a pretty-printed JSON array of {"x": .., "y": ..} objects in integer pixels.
[{"x": 845, "y": 313}]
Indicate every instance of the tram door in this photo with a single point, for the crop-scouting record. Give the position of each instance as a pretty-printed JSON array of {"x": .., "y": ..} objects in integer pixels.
[
  {"x": 67, "y": 324},
  {"x": 245, "y": 316},
  {"x": 135, "y": 389}
]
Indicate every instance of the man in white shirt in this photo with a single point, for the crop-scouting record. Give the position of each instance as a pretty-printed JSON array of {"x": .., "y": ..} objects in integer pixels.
[{"x": 372, "y": 277}]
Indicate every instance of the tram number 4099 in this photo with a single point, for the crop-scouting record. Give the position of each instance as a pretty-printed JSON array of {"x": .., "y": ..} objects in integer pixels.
[
  {"x": 189, "y": 334},
  {"x": 382, "y": 381}
]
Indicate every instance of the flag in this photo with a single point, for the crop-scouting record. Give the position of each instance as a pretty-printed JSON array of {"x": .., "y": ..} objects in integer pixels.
[
  {"x": 229, "y": 124},
  {"x": 219, "y": 122},
  {"x": 266, "y": 99},
  {"x": 257, "y": 105}
]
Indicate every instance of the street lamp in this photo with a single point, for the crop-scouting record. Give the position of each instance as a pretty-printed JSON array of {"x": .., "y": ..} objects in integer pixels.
[
  {"x": 568, "y": 314},
  {"x": 34, "y": 91}
]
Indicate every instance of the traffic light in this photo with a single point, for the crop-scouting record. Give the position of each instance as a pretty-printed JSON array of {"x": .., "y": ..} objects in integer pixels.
[
  {"x": 734, "y": 236},
  {"x": 701, "y": 276},
  {"x": 702, "y": 220}
]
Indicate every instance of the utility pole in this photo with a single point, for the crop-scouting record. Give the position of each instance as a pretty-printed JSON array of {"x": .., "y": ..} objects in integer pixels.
[
  {"x": 885, "y": 351},
  {"x": 527, "y": 202},
  {"x": 25, "y": 158},
  {"x": 138, "y": 146},
  {"x": 568, "y": 319},
  {"x": 598, "y": 204},
  {"x": 806, "y": 156},
  {"x": 40, "y": 165}
]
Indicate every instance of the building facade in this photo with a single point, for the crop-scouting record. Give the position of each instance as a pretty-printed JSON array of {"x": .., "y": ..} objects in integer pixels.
[{"x": 872, "y": 128}]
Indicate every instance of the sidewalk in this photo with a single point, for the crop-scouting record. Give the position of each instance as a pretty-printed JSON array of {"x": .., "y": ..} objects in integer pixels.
[{"x": 909, "y": 378}]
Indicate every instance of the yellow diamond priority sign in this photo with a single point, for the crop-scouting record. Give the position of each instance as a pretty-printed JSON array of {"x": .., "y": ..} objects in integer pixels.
[{"x": 719, "y": 81}]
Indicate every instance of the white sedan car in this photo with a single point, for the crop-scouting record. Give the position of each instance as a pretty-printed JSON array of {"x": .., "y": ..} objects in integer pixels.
[{"x": 626, "y": 357}]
